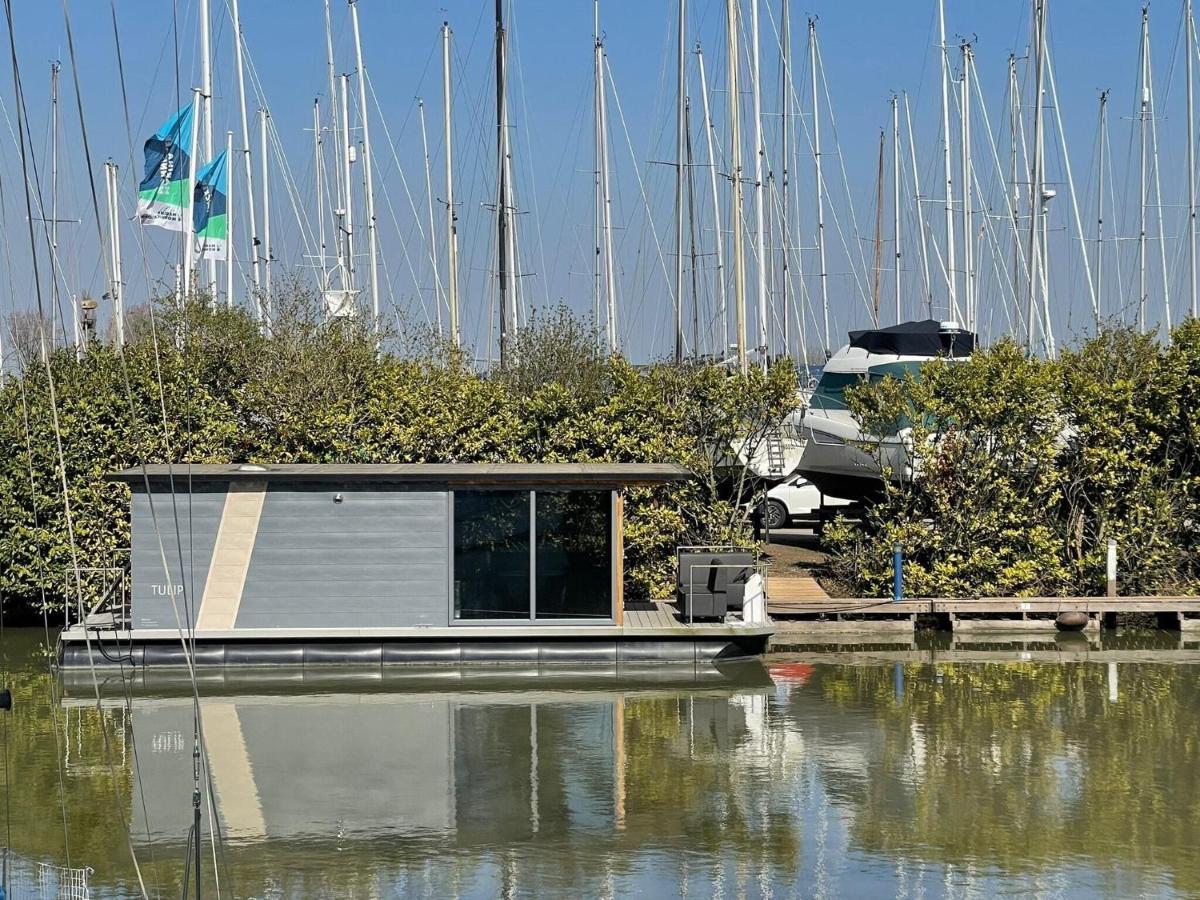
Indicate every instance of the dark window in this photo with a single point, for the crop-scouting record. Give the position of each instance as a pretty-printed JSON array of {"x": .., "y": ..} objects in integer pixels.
[
  {"x": 830, "y": 392},
  {"x": 491, "y": 554},
  {"x": 574, "y": 554}
]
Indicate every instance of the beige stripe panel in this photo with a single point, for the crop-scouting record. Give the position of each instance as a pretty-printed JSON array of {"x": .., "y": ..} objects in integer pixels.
[
  {"x": 231, "y": 555},
  {"x": 237, "y": 792}
]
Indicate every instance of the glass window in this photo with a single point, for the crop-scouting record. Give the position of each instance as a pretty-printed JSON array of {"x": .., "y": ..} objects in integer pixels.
[
  {"x": 574, "y": 554},
  {"x": 491, "y": 554},
  {"x": 831, "y": 390}
]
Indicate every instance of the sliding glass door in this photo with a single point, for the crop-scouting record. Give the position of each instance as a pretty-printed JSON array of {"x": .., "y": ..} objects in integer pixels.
[{"x": 545, "y": 556}]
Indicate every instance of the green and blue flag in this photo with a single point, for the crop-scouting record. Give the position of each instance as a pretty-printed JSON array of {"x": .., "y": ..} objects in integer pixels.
[
  {"x": 163, "y": 194},
  {"x": 210, "y": 210}
]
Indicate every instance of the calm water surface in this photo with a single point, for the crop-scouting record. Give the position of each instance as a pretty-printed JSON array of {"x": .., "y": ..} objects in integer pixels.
[{"x": 892, "y": 770}]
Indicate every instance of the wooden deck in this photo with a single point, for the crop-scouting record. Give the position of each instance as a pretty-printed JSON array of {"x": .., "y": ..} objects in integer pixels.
[{"x": 793, "y": 613}]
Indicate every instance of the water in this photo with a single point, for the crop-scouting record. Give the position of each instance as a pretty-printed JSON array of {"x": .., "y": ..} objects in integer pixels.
[{"x": 857, "y": 777}]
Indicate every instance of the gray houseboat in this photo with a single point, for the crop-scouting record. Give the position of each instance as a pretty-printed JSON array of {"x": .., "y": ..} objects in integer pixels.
[{"x": 301, "y": 565}]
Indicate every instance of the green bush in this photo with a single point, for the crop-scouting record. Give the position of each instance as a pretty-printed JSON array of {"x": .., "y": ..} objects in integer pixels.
[
  {"x": 1026, "y": 467},
  {"x": 205, "y": 386}
]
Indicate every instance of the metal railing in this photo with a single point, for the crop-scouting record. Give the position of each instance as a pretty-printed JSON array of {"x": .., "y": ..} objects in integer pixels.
[{"x": 108, "y": 584}]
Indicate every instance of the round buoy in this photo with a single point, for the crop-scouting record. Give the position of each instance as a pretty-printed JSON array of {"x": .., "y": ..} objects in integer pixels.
[{"x": 1072, "y": 620}]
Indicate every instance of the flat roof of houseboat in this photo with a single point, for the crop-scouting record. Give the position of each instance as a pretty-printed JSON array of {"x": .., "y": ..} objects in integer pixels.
[{"x": 451, "y": 473}]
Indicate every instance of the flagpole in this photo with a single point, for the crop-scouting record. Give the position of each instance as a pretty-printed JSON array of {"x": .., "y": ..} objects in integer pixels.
[
  {"x": 207, "y": 88},
  {"x": 229, "y": 256},
  {"x": 188, "y": 206}
]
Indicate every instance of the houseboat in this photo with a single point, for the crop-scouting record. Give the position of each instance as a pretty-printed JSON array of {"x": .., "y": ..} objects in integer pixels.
[{"x": 306, "y": 565}]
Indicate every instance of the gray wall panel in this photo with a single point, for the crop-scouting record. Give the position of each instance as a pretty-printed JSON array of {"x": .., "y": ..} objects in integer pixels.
[
  {"x": 187, "y": 525},
  {"x": 379, "y": 558}
]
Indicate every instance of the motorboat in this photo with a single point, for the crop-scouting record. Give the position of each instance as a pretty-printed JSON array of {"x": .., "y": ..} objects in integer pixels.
[{"x": 838, "y": 458}]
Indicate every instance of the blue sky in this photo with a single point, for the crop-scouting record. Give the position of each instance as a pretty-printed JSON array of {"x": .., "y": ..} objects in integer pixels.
[{"x": 869, "y": 49}]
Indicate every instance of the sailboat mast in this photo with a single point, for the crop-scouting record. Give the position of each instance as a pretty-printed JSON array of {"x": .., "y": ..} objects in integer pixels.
[
  {"x": 816, "y": 130},
  {"x": 1189, "y": 30},
  {"x": 251, "y": 217},
  {"x": 965, "y": 149},
  {"x": 1102, "y": 141},
  {"x": 735, "y": 175},
  {"x": 502, "y": 200},
  {"x": 451, "y": 219},
  {"x": 927, "y": 281},
  {"x": 785, "y": 26},
  {"x": 1038, "y": 280},
  {"x": 1014, "y": 123},
  {"x": 1143, "y": 115},
  {"x": 347, "y": 189},
  {"x": 319, "y": 185},
  {"x": 759, "y": 188},
  {"x": 339, "y": 151},
  {"x": 433, "y": 249},
  {"x": 368, "y": 175},
  {"x": 691, "y": 201},
  {"x": 878, "y": 234},
  {"x": 718, "y": 236},
  {"x": 264, "y": 163},
  {"x": 897, "y": 252},
  {"x": 597, "y": 192},
  {"x": 680, "y": 125},
  {"x": 947, "y": 172},
  {"x": 114, "y": 238},
  {"x": 610, "y": 276}
]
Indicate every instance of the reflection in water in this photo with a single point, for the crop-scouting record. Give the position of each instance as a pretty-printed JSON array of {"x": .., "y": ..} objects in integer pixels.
[{"x": 888, "y": 779}]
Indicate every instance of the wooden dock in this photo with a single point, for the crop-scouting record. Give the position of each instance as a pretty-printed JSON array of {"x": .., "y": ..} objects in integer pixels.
[{"x": 798, "y": 604}]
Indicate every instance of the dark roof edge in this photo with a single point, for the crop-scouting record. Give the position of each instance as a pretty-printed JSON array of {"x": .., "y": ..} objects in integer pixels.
[{"x": 431, "y": 473}]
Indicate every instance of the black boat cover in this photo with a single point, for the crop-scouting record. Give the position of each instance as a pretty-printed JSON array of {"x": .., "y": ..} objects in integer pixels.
[{"x": 924, "y": 338}]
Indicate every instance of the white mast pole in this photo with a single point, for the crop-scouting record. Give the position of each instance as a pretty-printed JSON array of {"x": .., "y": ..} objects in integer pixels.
[
  {"x": 760, "y": 231},
  {"x": 965, "y": 152},
  {"x": 114, "y": 237},
  {"x": 1014, "y": 123},
  {"x": 1078, "y": 217},
  {"x": 319, "y": 178},
  {"x": 229, "y": 255},
  {"x": 189, "y": 237},
  {"x": 263, "y": 115},
  {"x": 1189, "y": 26},
  {"x": 597, "y": 192},
  {"x": 1158, "y": 205},
  {"x": 451, "y": 227},
  {"x": 816, "y": 123},
  {"x": 207, "y": 88},
  {"x": 735, "y": 158},
  {"x": 347, "y": 190},
  {"x": 896, "y": 198},
  {"x": 785, "y": 25},
  {"x": 1143, "y": 114},
  {"x": 368, "y": 178},
  {"x": 948, "y": 176},
  {"x": 339, "y": 151},
  {"x": 680, "y": 90},
  {"x": 1038, "y": 279},
  {"x": 610, "y": 277},
  {"x": 251, "y": 215},
  {"x": 927, "y": 281},
  {"x": 433, "y": 246},
  {"x": 710, "y": 132},
  {"x": 1102, "y": 140}
]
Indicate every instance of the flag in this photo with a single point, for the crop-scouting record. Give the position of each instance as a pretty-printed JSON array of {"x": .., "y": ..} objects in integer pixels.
[
  {"x": 163, "y": 193},
  {"x": 209, "y": 211}
]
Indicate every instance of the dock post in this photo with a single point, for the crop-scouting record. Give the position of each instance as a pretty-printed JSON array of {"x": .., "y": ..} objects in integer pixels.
[
  {"x": 897, "y": 573},
  {"x": 1112, "y": 567}
]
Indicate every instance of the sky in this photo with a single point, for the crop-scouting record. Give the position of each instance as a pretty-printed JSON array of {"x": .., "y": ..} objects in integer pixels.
[{"x": 868, "y": 50}]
